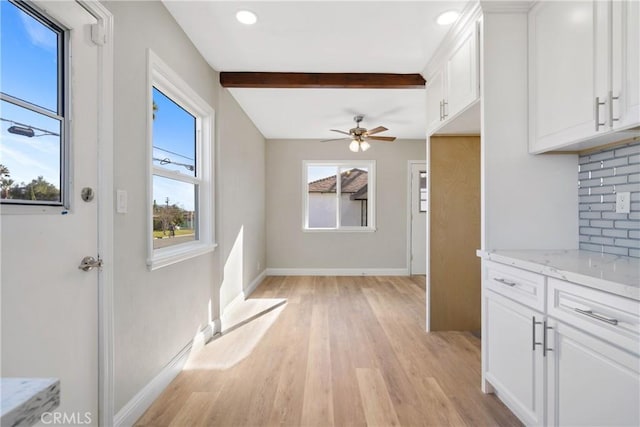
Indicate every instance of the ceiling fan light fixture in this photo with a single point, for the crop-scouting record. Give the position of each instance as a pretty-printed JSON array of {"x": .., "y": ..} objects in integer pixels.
[
  {"x": 246, "y": 17},
  {"x": 358, "y": 136},
  {"x": 448, "y": 17}
]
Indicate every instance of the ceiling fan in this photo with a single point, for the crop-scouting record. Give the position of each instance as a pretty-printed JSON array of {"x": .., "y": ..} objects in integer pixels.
[{"x": 359, "y": 136}]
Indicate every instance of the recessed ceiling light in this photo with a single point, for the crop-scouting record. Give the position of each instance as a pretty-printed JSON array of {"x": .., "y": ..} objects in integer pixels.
[
  {"x": 448, "y": 17},
  {"x": 246, "y": 17}
]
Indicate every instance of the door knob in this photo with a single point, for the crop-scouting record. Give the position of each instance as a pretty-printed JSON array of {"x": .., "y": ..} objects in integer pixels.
[{"x": 88, "y": 263}]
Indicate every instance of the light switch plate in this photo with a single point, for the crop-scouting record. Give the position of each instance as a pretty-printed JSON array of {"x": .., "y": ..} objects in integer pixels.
[
  {"x": 121, "y": 201},
  {"x": 623, "y": 202}
]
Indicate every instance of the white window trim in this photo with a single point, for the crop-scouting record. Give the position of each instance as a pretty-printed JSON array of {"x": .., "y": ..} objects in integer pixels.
[
  {"x": 371, "y": 189},
  {"x": 161, "y": 76}
]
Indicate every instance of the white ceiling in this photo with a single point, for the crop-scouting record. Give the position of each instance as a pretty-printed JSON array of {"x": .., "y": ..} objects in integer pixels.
[{"x": 321, "y": 36}]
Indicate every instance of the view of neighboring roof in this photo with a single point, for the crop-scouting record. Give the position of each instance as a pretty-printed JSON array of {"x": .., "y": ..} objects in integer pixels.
[{"x": 351, "y": 181}]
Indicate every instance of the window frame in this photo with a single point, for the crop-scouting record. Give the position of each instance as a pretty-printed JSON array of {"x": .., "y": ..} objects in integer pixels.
[
  {"x": 426, "y": 199},
  {"x": 62, "y": 114},
  {"x": 371, "y": 195},
  {"x": 167, "y": 81}
]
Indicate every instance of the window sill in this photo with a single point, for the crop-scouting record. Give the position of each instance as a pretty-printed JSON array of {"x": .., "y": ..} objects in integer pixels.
[
  {"x": 168, "y": 256},
  {"x": 341, "y": 230}
]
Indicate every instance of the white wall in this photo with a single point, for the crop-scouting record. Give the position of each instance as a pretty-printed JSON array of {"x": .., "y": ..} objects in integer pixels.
[
  {"x": 242, "y": 189},
  {"x": 529, "y": 202},
  {"x": 157, "y": 313},
  {"x": 289, "y": 247}
]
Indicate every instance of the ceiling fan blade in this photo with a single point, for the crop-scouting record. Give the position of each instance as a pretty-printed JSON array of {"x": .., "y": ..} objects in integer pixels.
[
  {"x": 335, "y": 139},
  {"x": 339, "y": 131},
  {"x": 382, "y": 138},
  {"x": 376, "y": 130}
]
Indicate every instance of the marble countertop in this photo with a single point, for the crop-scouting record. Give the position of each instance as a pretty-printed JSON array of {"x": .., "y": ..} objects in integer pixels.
[
  {"x": 24, "y": 400},
  {"x": 619, "y": 275}
]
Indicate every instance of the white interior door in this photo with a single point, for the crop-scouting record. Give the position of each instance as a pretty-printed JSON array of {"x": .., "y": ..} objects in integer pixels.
[
  {"x": 418, "y": 218},
  {"x": 49, "y": 305}
]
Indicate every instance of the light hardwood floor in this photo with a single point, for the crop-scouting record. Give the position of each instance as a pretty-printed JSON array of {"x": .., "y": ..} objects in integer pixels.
[{"x": 342, "y": 351}]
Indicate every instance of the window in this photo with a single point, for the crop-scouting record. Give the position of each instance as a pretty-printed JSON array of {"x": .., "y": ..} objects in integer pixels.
[
  {"x": 33, "y": 105},
  {"x": 180, "y": 151},
  {"x": 339, "y": 195},
  {"x": 423, "y": 191}
]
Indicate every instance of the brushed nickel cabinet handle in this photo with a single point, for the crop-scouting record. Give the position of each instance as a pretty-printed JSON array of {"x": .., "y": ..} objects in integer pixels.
[
  {"x": 445, "y": 104},
  {"x": 504, "y": 281},
  {"x": 533, "y": 328},
  {"x": 611, "y": 118},
  {"x": 598, "y": 104},
  {"x": 590, "y": 313},
  {"x": 545, "y": 349}
]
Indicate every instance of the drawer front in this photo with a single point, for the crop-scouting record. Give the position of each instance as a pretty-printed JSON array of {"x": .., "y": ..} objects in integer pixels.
[
  {"x": 609, "y": 317},
  {"x": 520, "y": 285}
]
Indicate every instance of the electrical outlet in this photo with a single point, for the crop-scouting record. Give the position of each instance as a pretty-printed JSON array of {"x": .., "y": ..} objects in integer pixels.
[{"x": 623, "y": 202}]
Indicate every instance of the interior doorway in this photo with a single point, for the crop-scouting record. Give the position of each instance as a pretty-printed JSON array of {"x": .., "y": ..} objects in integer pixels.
[{"x": 417, "y": 217}]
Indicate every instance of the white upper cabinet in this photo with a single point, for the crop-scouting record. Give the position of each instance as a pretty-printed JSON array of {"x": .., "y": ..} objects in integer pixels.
[
  {"x": 462, "y": 75},
  {"x": 625, "y": 109},
  {"x": 563, "y": 80},
  {"x": 454, "y": 85},
  {"x": 435, "y": 95},
  {"x": 583, "y": 72}
]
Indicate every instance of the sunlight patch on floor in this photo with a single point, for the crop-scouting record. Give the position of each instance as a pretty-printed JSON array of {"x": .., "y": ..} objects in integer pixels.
[{"x": 230, "y": 348}]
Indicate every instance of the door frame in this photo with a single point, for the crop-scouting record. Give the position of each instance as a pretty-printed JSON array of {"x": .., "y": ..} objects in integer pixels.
[
  {"x": 410, "y": 164},
  {"x": 102, "y": 36},
  {"x": 427, "y": 325}
]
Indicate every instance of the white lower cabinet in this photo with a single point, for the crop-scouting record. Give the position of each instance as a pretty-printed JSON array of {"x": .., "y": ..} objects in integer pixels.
[
  {"x": 514, "y": 365},
  {"x": 575, "y": 361},
  {"x": 590, "y": 382}
]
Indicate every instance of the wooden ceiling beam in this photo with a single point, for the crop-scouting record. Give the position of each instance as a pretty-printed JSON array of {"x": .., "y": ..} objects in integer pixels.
[{"x": 321, "y": 80}]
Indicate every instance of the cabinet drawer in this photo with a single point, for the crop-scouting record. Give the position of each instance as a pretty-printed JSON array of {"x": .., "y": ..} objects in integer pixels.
[
  {"x": 609, "y": 317},
  {"x": 523, "y": 286}
]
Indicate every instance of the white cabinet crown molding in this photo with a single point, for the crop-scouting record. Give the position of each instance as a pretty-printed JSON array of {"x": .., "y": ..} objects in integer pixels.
[
  {"x": 468, "y": 17},
  {"x": 497, "y": 6}
]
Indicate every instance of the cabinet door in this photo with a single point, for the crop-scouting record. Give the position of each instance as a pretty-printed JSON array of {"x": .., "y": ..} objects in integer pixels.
[
  {"x": 590, "y": 382},
  {"x": 625, "y": 110},
  {"x": 462, "y": 75},
  {"x": 512, "y": 366},
  {"x": 435, "y": 96},
  {"x": 568, "y": 63}
]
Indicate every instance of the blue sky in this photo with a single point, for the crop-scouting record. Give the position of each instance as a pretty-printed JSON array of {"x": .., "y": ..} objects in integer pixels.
[
  {"x": 29, "y": 71},
  {"x": 315, "y": 173},
  {"x": 173, "y": 139}
]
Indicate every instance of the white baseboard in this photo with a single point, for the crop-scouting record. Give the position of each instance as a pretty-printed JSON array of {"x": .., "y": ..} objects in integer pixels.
[
  {"x": 136, "y": 407},
  {"x": 337, "y": 272},
  {"x": 254, "y": 284},
  {"x": 243, "y": 295}
]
